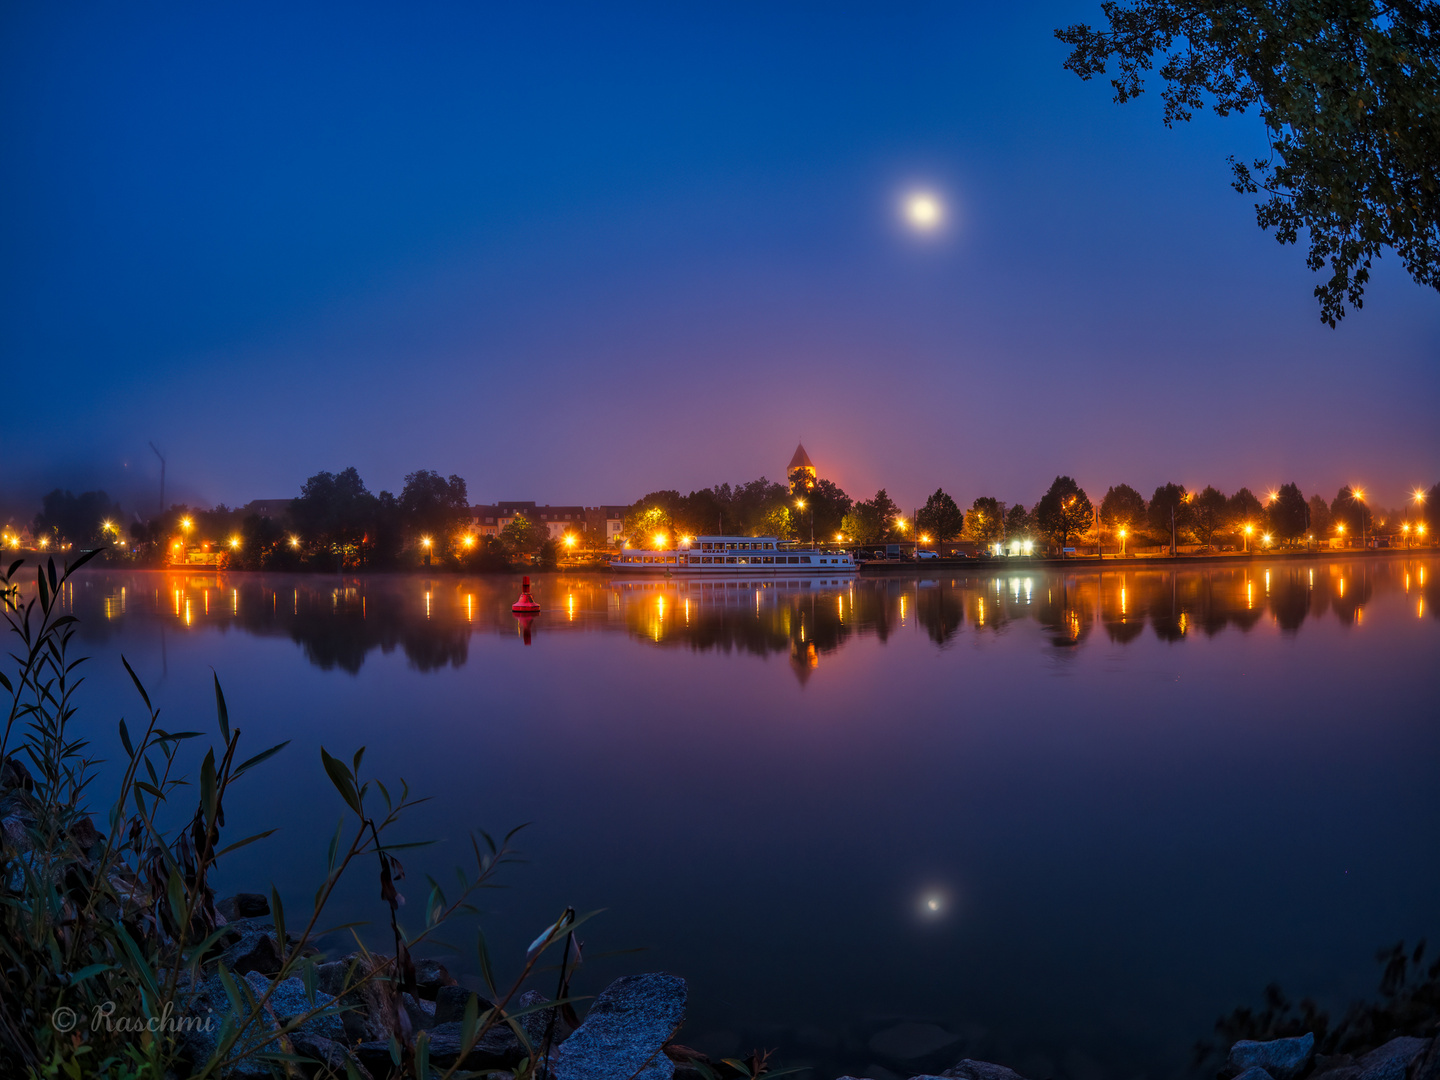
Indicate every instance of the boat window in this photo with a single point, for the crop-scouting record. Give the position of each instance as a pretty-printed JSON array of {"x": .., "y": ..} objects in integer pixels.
[
  {"x": 769, "y": 547},
  {"x": 706, "y": 559},
  {"x": 769, "y": 558},
  {"x": 731, "y": 559},
  {"x": 794, "y": 558},
  {"x": 670, "y": 558},
  {"x": 804, "y": 558}
]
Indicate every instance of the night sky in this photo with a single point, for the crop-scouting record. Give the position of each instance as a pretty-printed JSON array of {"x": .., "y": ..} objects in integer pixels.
[{"x": 578, "y": 253}]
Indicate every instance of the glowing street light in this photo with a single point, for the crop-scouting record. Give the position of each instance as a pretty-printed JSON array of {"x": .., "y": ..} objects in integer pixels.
[
  {"x": 569, "y": 540},
  {"x": 1249, "y": 529},
  {"x": 469, "y": 540},
  {"x": 659, "y": 539},
  {"x": 1359, "y": 496},
  {"x": 1265, "y": 539},
  {"x": 294, "y": 541},
  {"x": 1122, "y": 534},
  {"x": 234, "y": 543}
]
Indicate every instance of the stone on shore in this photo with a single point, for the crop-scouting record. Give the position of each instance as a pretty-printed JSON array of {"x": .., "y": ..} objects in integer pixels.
[
  {"x": 250, "y": 945},
  {"x": 1392, "y": 1061},
  {"x": 1254, "y": 1072},
  {"x": 450, "y": 1003},
  {"x": 207, "y": 1007},
  {"x": 969, "y": 1069},
  {"x": 430, "y": 976},
  {"x": 625, "y": 1032},
  {"x": 1283, "y": 1059},
  {"x": 496, "y": 1049}
]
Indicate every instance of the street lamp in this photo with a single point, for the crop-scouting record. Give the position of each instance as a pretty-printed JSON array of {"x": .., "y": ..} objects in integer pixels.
[
  {"x": 1122, "y": 534},
  {"x": 427, "y": 544},
  {"x": 234, "y": 543},
  {"x": 1405, "y": 529},
  {"x": 800, "y": 505},
  {"x": 659, "y": 541},
  {"x": 1359, "y": 497},
  {"x": 1248, "y": 530}
]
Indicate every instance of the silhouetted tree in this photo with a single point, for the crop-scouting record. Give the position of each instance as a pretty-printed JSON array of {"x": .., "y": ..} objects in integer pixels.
[
  {"x": 940, "y": 518},
  {"x": 77, "y": 519},
  {"x": 1122, "y": 508},
  {"x": 1207, "y": 514},
  {"x": 985, "y": 523},
  {"x": 432, "y": 506},
  {"x": 525, "y": 537},
  {"x": 1349, "y": 511},
  {"x": 1289, "y": 514},
  {"x": 1320, "y": 520},
  {"x": 1064, "y": 511},
  {"x": 1347, "y": 94},
  {"x": 1019, "y": 523},
  {"x": 1169, "y": 513},
  {"x": 333, "y": 516},
  {"x": 1242, "y": 509}
]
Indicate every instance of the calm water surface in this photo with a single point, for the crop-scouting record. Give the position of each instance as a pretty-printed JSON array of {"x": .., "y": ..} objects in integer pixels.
[{"x": 1068, "y": 818}]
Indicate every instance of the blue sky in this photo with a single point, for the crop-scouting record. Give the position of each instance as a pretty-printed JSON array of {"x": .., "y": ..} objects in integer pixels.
[{"x": 577, "y": 253}]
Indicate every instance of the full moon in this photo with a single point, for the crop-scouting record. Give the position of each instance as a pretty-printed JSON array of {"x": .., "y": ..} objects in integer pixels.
[{"x": 923, "y": 211}]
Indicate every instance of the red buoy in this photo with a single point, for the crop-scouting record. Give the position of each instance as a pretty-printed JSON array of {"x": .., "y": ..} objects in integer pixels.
[{"x": 526, "y": 605}]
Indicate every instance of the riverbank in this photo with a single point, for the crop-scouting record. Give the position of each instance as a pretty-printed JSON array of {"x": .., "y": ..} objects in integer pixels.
[{"x": 1127, "y": 562}]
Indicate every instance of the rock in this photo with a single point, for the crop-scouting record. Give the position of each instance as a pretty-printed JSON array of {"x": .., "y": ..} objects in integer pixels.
[
  {"x": 1255, "y": 1072},
  {"x": 330, "y": 1055},
  {"x": 289, "y": 1000},
  {"x": 625, "y": 1031},
  {"x": 208, "y": 1005},
  {"x": 1427, "y": 1065},
  {"x": 1335, "y": 1067},
  {"x": 1391, "y": 1061},
  {"x": 536, "y": 1023},
  {"x": 450, "y": 1004},
  {"x": 13, "y": 774},
  {"x": 969, "y": 1069},
  {"x": 17, "y": 833},
  {"x": 250, "y": 945},
  {"x": 420, "y": 1012},
  {"x": 367, "y": 1007},
  {"x": 83, "y": 833},
  {"x": 496, "y": 1049},
  {"x": 430, "y": 976},
  {"x": 1283, "y": 1059},
  {"x": 245, "y": 905},
  {"x": 907, "y": 1041}
]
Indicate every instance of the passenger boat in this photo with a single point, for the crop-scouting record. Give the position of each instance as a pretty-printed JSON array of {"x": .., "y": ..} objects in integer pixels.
[{"x": 738, "y": 555}]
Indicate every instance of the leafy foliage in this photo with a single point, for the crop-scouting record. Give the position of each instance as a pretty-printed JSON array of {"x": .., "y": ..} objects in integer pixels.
[
  {"x": 1064, "y": 511},
  {"x": 940, "y": 517},
  {"x": 1349, "y": 92},
  {"x": 127, "y": 917},
  {"x": 1122, "y": 507},
  {"x": 985, "y": 523},
  {"x": 1289, "y": 513}
]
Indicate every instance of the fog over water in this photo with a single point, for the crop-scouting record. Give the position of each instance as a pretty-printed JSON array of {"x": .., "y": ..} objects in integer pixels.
[{"x": 1068, "y": 817}]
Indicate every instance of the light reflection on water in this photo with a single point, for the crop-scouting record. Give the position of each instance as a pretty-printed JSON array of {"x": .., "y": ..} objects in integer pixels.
[
  {"x": 339, "y": 622},
  {"x": 1134, "y": 797}
]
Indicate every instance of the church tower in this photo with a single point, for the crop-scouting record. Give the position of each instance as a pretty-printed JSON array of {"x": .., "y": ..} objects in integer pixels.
[{"x": 801, "y": 472}]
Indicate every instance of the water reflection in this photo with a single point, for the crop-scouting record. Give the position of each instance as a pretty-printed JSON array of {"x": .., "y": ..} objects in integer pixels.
[{"x": 337, "y": 622}]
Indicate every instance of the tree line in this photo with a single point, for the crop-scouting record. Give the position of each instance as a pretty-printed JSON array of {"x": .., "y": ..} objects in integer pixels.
[
  {"x": 1064, "y": 515},
  {"x": 337, "y": 522}
]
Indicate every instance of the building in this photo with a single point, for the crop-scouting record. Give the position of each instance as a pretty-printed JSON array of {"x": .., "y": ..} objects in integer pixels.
[
  {"x": 801, "y": 472},
  {"x": 596, "y": 521}
]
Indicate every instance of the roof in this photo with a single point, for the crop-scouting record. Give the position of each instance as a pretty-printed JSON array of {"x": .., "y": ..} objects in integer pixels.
[{"x": 801, "y": 460}]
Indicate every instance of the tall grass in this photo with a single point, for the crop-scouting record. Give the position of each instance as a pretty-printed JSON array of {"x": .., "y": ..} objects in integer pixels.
[{"x": 121, "y": 916}]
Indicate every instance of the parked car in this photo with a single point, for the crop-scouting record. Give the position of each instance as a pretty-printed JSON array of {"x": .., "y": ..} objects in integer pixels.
[{"x": 926, "y": 555}]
